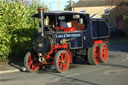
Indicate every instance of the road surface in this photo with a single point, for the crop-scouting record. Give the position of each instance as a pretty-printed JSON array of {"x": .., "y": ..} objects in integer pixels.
[{"x": 114, "y": 72}]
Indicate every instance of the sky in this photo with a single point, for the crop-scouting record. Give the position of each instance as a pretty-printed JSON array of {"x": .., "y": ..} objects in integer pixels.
[{"x": 53, "y": 4}]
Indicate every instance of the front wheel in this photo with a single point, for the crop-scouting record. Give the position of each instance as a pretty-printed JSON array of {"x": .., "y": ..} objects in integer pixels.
[
  {"x": 30, "y": 62},
  {"x": 61, "y": 61}
]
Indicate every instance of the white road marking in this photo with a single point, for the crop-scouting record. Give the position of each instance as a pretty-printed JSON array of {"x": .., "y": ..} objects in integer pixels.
[
  {"x": 9, "y": 71},
  {"x": 57, "y": 79},
  {"x": 73, "y": 75},
  {"x": 125, "y": 59},
  {"x": 82, "y": 73}
]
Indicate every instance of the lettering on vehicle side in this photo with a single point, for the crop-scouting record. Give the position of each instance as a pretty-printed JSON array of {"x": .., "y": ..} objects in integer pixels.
[{"x": 75, "y": 35}]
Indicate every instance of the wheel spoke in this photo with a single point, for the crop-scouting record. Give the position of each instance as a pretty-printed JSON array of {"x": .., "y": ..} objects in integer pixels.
[
  {"x": 62, "y": 66},
  {"x": 65, "y": 58},
  {"x": 65, "y": 65},
  {"x": 59, "y": 60},
  {"x": 62, "y": 56},
  {"x": 30, "y": 62},
  {"x": 33, "y": 67}
]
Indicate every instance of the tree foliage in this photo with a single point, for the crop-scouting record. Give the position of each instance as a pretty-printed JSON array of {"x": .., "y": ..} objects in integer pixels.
[
  {"x": 123, "y": 11},
  {"x": 17, "y": 28},
  {"x": 68, "y": 6}
]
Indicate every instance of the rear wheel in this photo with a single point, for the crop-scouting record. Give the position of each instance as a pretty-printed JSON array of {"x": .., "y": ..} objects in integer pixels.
[
  {"x": 62, "y": 61},
  {"x": 104, "y": 52},
  {"x": 30, "y": 62},
  {"x": 94, "y": 55}
]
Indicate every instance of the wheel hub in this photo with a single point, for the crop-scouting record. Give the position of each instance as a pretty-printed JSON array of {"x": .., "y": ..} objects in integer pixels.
[{"x": 63, "y": 61}]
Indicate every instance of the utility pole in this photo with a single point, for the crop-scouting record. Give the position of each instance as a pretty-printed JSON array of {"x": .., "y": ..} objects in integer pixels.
[
  {"x": 71, "y": 1},
  {"x": 58, "y": 5}
]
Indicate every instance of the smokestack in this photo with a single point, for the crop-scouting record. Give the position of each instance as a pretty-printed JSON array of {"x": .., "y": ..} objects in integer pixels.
[{"x": 41, "y": 20}]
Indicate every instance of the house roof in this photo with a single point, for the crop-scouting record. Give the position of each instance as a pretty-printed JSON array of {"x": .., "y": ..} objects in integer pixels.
[{"x": 92, "y": 3}]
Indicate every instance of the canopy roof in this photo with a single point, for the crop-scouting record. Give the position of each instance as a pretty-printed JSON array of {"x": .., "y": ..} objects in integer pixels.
[
  {"x": 64, "y": 13},
  {"x": 59, "y": 13}
]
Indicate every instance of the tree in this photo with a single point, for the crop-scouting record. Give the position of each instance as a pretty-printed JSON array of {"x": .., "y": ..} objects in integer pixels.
[
  {"x": 68, "y": 6},
  {"x": 17, "y": 29},
  {"x": 123, "y": 10},
  {"x": 122, "y": 13}
]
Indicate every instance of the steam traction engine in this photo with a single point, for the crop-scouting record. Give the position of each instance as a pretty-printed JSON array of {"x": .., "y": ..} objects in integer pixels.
[{"x": 65, "y": 35}]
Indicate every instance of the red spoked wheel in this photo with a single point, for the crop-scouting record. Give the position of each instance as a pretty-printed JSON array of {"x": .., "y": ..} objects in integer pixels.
[
  {"x": 94, "y": 55},
  {"x": 61, "y": 61},
  {"x": 104, "y": 52},
  {"x": 30, "y": 62}
]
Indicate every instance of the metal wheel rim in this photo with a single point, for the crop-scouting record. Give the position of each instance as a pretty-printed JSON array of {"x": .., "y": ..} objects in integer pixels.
[
  {"x": 63, "y": 62},
  {"x": 31, "y": 63}
]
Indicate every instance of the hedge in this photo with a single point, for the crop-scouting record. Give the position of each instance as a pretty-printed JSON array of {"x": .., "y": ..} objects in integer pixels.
[{"x": 17, "y": 29}]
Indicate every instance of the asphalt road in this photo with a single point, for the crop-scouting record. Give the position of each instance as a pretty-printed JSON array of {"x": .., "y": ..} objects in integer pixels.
[{"x": 114, "y": 72}]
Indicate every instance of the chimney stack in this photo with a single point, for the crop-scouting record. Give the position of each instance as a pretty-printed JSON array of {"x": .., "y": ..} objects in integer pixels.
[{"x": 41, "y": 20}]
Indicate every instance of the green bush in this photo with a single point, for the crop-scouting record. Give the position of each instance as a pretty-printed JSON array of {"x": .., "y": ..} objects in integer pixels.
[{"x": 17, "y": 28}]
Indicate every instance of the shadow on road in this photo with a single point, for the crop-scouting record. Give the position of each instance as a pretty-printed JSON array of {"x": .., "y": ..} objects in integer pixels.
[{"x": 17, "y": 65}]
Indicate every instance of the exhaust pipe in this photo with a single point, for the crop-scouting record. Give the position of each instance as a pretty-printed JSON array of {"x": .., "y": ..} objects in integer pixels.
[{"x": 41, "y": 20}]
